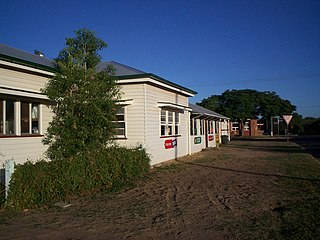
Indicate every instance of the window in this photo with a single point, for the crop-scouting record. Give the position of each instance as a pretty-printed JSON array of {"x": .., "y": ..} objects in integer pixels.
[
  {"x": 34, "y": 118},
  {"x": 25, "y": 118},
  {"x": 246, "y": 126},
  {"x": 1, "y": 117},
  {"x": 210, "y": 127},
  {"x": 9, "y": 117},
  {"x": 217, "y": 127},
  {"x": 163, "y": 122},
  {"x": 176, "y": 122},
  {"x": 28, "y": 119},
  {"x": 120, "y": 129},
  {"x": 169, "y": 123},
  {"x": 235, "y": 126},
  {"x": 201, "y": 127},
  {"x": 193, "y": 127}
]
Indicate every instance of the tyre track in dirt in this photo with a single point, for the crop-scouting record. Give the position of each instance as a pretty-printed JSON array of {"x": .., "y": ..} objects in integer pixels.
[{"x": 186, "y": 202}]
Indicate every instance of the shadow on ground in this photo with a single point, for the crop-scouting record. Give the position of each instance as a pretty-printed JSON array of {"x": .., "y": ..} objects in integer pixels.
[{"x": 248, "y": 172}]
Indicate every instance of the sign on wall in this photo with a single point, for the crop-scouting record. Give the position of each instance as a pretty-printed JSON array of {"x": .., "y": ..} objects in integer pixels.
[
  {"x": 197, "y": 140},
  {"x": 217, "y": 139},
  {"x": 170, "y": 143},
  {"x": 210, "y": 138}
]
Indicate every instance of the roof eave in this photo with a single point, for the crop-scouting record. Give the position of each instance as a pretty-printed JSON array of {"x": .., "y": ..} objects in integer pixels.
[
  {"x": 27, "y": 63},
  {"x": 157, "y": 78}
]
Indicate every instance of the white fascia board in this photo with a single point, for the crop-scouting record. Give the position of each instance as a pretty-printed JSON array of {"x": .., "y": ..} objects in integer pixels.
[
  {"x": 155, "y": 82},
  {"x": 173, "y": 106},
  {"x": 31, "y": 69},
  {"x": 22, "y": 93}
]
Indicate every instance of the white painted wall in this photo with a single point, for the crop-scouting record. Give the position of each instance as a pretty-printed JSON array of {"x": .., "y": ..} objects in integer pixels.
[
  {"x": 154, "y": 142},
  {"x": 21, "y": 80},
  {"x": 143, "y": 121},
  {"x": 23, "y": 148},
  {"x": 197, "y": 147}
]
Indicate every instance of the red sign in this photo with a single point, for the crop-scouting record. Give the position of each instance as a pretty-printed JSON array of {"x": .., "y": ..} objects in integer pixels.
[
  {"x": 170, "y": 143},
  {"x": 210, "y": 138}
]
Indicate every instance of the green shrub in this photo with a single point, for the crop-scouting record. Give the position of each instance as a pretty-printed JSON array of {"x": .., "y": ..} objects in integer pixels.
[
  {"x": 2, "y": 194},
  {"x": 45, "y": 183}
]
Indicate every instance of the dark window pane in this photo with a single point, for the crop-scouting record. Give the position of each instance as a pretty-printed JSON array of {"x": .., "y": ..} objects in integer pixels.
[
  {"x": 25, "y": 117},
  {"x": 9, "y": 117},
  {"x": 1, "y": 117},
  {"x": 163, "y": 130},
  {"x": 120, "y": 117},
  {"x": 120, "y": 131}
]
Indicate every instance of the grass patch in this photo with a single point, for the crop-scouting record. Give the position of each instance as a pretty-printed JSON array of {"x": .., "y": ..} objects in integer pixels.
[
  {"x": 172, "y": 167},
  {"x": 300, "y": 213}
]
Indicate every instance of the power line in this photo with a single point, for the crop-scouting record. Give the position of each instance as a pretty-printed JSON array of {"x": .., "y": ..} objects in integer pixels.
[
  {"x": 314, "y": 106},
  {"x": 257, "y": 80}
]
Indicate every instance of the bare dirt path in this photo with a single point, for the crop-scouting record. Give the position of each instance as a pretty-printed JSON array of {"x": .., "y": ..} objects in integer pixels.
[{"x": 234, "y": 192}]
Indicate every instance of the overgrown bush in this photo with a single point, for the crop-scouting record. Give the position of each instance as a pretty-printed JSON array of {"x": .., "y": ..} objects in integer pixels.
[
  {"x": 2, "y": 194},
  {"x": 45, "y": 183}
]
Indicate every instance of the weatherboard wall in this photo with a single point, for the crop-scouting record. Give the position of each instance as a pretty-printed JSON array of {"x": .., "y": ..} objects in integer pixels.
[
  {"x": 197, "y": 141},
  {"x": 143, "y": 121},
  {"x": 155, "y": 143},
  {"x": 22, "y": 81},
  {"x": 134, "y": 115},
  {"x": 16, "y": 76}
]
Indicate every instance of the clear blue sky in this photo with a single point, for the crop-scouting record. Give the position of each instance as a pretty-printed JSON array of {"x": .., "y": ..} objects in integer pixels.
[{"x": 208, "y": 46}]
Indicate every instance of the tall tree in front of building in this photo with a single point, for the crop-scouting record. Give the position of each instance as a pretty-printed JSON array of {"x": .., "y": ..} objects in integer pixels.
[
  {"x": 83, "y": 99},
  {"x": 241, "y": 105}
]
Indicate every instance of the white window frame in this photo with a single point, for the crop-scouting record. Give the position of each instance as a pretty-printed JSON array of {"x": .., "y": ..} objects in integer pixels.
[
  {"x": 202, "y": 127},
  {"x": 122, "y": 121},
  {"x": 194, "y": 127},
  {"x": 17, "y": 118},
  {"x": 171, "y": 124}
]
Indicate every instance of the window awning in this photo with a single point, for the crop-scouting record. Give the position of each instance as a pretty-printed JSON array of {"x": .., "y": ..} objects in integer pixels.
[
  {"x": 173, "y": 106},
  {"x": 124, "y": 102},
  {"x": 22, "y": 93}
]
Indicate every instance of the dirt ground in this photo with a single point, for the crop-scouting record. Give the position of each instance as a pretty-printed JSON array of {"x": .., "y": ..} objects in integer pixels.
[{"x": 233, "y": 192}]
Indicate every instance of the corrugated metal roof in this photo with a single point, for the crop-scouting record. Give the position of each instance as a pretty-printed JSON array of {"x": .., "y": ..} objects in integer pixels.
[
  {"x": 125, "y": 72},
  {"x": 121, "y": 69},
  {"x": 16, "y": 55},
  {"x": 201, "y": 110}
]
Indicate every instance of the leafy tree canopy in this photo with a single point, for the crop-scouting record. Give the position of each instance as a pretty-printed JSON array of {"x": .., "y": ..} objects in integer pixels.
[
  {"x": 83, "y": 99},
  {"x": 241, "y": 105}
]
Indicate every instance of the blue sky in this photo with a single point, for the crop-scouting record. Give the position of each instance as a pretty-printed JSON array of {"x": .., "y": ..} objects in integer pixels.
[{"x": 208, "y": 46}]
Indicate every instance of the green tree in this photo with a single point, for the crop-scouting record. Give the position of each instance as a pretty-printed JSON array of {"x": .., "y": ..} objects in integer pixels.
[
  {"x": 83, "y": 99},
  {"x": 241, "y": 105},
  {"x": 311, "y": 126},
  {"x": 296, "y": 124}
]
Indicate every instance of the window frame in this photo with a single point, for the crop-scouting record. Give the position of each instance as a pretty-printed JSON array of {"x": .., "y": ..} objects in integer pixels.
[
  {"x": 124, "y": 121},
  {"x": 17, "y": 129},
  {"x": 202, "y": 127},
  {"x": 171, "y": 126},
  {"x": 194, "y": 127}
]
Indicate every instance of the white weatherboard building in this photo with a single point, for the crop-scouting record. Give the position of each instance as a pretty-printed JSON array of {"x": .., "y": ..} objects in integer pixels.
[{"x": 154, "y": 113}]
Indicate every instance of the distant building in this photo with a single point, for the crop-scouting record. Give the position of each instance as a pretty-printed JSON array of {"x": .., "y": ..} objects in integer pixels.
[{"x": 252, "y": 127}]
